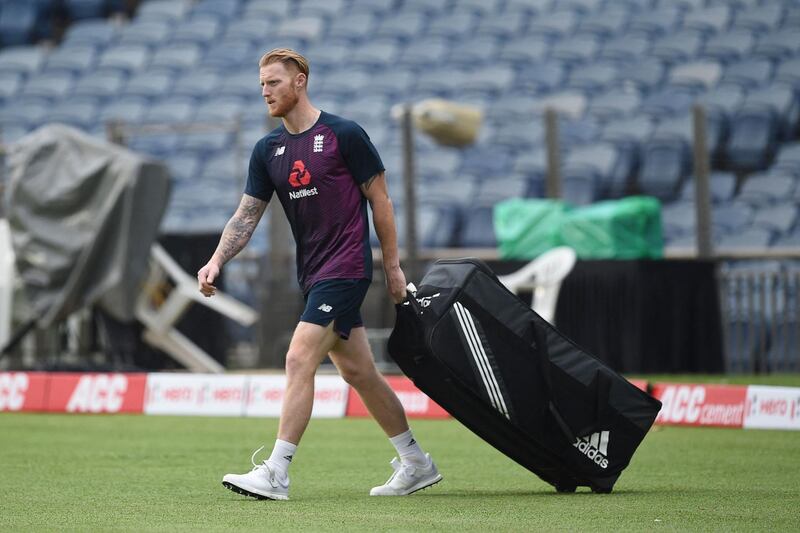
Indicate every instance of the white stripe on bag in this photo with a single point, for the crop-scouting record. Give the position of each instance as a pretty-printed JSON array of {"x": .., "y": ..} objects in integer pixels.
[{"x": 481, "y": 359}]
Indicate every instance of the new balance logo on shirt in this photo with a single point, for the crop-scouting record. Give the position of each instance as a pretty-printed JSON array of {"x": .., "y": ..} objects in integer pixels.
[
  {"x": 595, "y": 447},
  {"x": 325, "y": 308},
  {"x": 280, "y": 151}
]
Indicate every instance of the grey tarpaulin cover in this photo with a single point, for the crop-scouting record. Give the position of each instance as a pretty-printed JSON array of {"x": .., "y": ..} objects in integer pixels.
[{"x": 83, "y": 215}]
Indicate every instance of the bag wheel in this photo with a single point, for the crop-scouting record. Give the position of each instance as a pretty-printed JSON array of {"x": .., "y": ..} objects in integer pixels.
[{"x": 566, "y": 488}]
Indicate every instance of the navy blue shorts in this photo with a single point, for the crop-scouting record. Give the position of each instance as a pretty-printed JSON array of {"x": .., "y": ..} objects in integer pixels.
[{"x": 337, "y": 300}]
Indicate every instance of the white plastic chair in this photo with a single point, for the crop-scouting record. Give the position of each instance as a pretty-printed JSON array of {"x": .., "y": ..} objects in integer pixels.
[
  {"x": 7, "y": 273},
  {"x": 543, "y": 276}
]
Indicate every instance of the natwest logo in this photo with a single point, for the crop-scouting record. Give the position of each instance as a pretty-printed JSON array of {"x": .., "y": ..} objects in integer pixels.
[{"x": 299, "y": 176}]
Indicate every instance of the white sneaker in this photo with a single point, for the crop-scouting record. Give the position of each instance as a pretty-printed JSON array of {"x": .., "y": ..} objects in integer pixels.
[
  {"x": 408, "y": 478},
  {"x": 262, "y": 482}
]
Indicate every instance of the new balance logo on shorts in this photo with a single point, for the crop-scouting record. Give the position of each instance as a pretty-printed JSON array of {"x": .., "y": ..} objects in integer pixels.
[
  {"x": 325, "y": 308},
  {"x": 595, "y": 447}
]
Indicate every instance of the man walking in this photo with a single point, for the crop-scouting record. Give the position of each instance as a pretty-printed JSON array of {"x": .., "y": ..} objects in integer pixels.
[{"x": 324, "y": 170}]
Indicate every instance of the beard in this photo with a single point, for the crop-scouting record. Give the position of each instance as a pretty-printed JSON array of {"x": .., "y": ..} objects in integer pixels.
[{"x": 284, "y": 106}]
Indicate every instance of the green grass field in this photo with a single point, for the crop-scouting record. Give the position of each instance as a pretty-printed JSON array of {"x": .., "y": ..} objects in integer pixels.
[{"x": 70, "y": 472}]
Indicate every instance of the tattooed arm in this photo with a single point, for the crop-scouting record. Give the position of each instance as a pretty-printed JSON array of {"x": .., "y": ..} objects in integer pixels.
[
  {"x": 235, "y": 236},
  {"x": 376, "y": 192}
]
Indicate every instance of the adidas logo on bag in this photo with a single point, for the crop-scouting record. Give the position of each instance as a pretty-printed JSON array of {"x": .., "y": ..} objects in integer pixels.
[{"x": 595, "y": 447}]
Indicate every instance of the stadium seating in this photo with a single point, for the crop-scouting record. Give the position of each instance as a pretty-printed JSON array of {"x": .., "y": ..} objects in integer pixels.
[{"x": 623, "y": 76}]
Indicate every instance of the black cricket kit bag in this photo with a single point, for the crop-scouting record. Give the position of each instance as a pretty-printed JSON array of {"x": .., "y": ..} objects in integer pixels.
[{"x": 500, "y": 369}]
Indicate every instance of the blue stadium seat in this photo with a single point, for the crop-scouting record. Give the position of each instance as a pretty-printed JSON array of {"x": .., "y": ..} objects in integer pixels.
[
  {"x": 474, "y": 51},
  {"x": 220, "y": 168},
  {"x": 750, "y": 238},
  {"x": 304, "y": 29},
  {"x": 540, "y": 77},
  {"x": 124, "y": 58},
  {"x": 17, "y": 23},
  {"x": 748, "y": 73},
  {"x": 241, "y": 84},
  {"x": 202, "y": 29},
  {"x": 354, "y": 27},
  {"x": 788, "y": 71},
  {"x": 502, "y": 24},
  {"x": 373, "y": 7},
  {"x": 458, "y": 192},
  {"x": 177, "y": 57},
  {"x": 627, "y": 47},
  {"x": 438, "y": 165},
  {"x": 523, "y": 51},
  {"x": 609, "y": 22},
  {"x": 753, "y": 138},
  {"x": 401, "y": 26},
  {"x": 594, "y": 77},
  {"x": 645, "y": 75},
  {"x": 729, "y": 47},
  {"x": 723, "y": 100},
  {"x": 171, "y": 109},
  {"x": 250, "y": 29},
  {"x": 367, "y": 110},
  {"x": 709, "y": 20},
  {"x": 203, "y": 142},
  {"x": 496, "y": 188},
  {"x": 223, "y": 10},
  {"x": 424, "y": 51},
  {"x": 85, "y": 9},
  {"x": 678, "y": 47},
  {"x": 482, "y": 8},
  {"x": 161, "y": 10},
  {"x": 183, "y": 165},
  {"x": 528, "y": 7},
  {"x": 766, "y": 188},
  {"x": 342, "y": 84},
  {"x": 234, "y": 55},
  {"x": 32, "y": 112},
  {"x": 21, "y": 59},
  {"x": 779, "y": 44},
  {"x": 669, "y": 101},
  {"x": 700, "y": 75},
  {"x": 73, "y": 59},
  {"x": 761, "y": 18},
  {"x": 518, "y": 135},
  {"x": 443, "y": 81},
  {"x": 10, "y": 84},
  {"x": 395, "y": 82},
  {"x": 149, "y": 84},
  {"x": 613, "y": 104},
  {"x": 582, "y": 7},
  {"x": 329, "y": 9},
  {"x": 267, "y": 9},
  {"x": 488, "y": 82},
  {"x": 92, "y": 32},
  {"x": 125, "y": 109},
  {"x": 628, "y": 135},
  {"x": 782, "y": 99},
  {"x": 199, "y": 83},
  {"x": 601, "y": 163},
  {"x": 678, "y": 219},
  {"x": 721, "y": 187},
  {"x": 453, "y": 26},
  {"x": 554, "y": 25},
  {"x": 532, "y": 164},
  {"x": 788, "y": 159},
  {"x": 327, "y": 55},
  {"x": 779, "y": 218},
  {"x": 655, "y": 22},
  {"x": 665, "y": 163},
  {"x": 81, "y": 114},
  {"x": 566, "y": 103},
  {"x": 100, "y": 84},
  {"x": 146, "y": 32},
  {"x": 50, "y": 86},
  {"x": 579, "y": 48},
  {"x": 681, "y": 127},
  {"x": 378, "y": 54},
  {"x": 731, "y": 218}
]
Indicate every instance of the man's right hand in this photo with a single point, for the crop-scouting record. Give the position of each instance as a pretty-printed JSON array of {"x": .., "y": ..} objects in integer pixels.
[{"x": 206, "y": 277}]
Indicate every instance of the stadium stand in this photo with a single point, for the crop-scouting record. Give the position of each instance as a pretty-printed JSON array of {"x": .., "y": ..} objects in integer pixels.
[{"x": 623, "y": 75}]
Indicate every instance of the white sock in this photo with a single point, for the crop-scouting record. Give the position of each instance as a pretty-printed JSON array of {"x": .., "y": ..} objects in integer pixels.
[
  {"x": 282, "y": 455},
  {"x": 408, "y": 449}
]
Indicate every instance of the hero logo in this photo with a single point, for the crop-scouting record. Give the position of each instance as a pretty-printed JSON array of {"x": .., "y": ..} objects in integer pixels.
[
  {"x": 300, "y": 177},
  {"x": 12, "y": 391},
  {"x": 595, "y": 447},
  {"x": 96, "y": 394}
]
